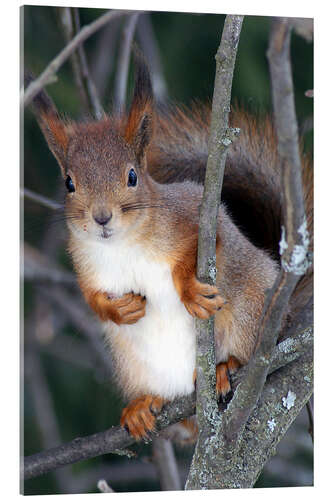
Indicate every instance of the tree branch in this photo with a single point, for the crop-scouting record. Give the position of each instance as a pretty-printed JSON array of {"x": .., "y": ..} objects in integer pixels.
[
  {"x": 284, "y": 395},
  {"x": 116, "y": 438},
  {"x": 34, "y": 87},
  {"x": 220, "y": 138},
  {"x": 293, "y": 245},
  {"x": 150, "y": 48},
  {"x": 84, "y": 322},
  {"x": 40, "y": 199},
  {"x": 70, "y": 23},
  {"x": 166, "y": 464},
  {"x": 37, "y": 267},
  {"x": 110, "y": 441},
  {"x": 124, "y": 60},
  {"x": 309, "y": 409},
  {"x": 104, "y": 487},
  {"x": 44, "y": 408},
  {"x": 102, "y": 60}
]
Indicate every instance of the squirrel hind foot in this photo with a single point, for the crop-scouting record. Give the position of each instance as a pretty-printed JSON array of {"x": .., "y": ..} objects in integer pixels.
[
  {"x": 140, "y": 415},
  {"x": 223, "y": 372}
]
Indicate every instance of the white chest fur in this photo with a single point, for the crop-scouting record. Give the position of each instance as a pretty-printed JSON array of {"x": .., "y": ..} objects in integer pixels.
[{"x": 157, "y": 354}]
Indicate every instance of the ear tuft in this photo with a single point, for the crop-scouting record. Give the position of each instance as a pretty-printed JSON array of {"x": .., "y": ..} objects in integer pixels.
[
  {"x": 53, "y": 128},
  {"x": 139, "y": 125}
]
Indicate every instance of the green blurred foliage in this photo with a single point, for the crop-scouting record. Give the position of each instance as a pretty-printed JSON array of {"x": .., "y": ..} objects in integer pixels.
[{"x": 84, "y": 403}]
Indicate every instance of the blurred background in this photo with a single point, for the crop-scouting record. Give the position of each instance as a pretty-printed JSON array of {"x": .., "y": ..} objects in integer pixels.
[{"x": 68, "y": 390}]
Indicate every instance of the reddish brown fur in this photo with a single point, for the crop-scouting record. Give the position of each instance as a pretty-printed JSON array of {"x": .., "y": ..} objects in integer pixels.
[
  {"x": 127, "y": 309},
  {"x": 192, "y": 292},
  {"x": 98, "y": 156},
  {"x": 179, "y": 152}
]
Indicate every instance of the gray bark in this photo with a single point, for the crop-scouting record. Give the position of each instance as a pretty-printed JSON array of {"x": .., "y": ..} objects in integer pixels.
[
  {"x": 115, "y": 439},
  {"x": 208, "y": 416},
  {"x": 222, "y": 450}
]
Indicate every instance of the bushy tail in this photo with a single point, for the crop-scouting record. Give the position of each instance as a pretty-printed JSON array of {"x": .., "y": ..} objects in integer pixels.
[{"x": 251, "y": 186}]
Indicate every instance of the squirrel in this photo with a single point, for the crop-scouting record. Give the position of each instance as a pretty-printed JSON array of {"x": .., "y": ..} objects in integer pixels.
[{"x": 134, "y": 187}]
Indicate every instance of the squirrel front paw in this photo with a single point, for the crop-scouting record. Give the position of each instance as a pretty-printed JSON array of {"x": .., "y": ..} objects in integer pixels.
[
  {"x": 125, "y": 310},
  {"x": 202, "y": 300},
  {"x": 140, "y": 415}
]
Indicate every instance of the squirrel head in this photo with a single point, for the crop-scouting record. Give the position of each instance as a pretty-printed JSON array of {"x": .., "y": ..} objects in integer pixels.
[{"x": 103, "y": 163}]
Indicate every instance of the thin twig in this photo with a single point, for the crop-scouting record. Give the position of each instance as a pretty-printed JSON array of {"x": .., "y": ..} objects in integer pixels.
[
  {"x": 40, "y": 199},
  {"x": 220, "y": 138},
  {"x": 103, "y": 486},
  {"x": 310, "y": 415},
  {"x": 78, "y": 316},
  {"x": 151, "y": 51},
  {"x": 303, "y": 27},
  {"x": 102, "y": 60},
  {"x": 166, "y": 464},
  {"x": 45, "y": 415},
  {"x": 124, "y": 60},
  {"x": 87, "y": 82},
  {"x": 285, "y": 352},
  {"x": 66, "y": 23},
  {"x": 88, "y": 30},
  {"x": 38, "y": 268},
  {"x": 295, "y": 238}
]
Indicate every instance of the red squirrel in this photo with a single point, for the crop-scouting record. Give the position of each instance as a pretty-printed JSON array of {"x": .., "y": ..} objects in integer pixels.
[{"x": 132, "y": 206}]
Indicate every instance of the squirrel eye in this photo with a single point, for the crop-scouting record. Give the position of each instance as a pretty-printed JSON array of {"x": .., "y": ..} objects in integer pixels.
[
  {"x": 132, "y": 178},
  {"x": 69, "y": 184}
]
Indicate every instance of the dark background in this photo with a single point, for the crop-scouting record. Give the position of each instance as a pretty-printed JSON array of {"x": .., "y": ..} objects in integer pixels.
[{"x": 69, "y": 394}]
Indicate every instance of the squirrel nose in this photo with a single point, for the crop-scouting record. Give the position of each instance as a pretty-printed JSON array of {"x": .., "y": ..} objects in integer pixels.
[{"x": 102, "y": 219}]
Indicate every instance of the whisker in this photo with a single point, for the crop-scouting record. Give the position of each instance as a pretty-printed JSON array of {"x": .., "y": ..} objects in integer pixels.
[{"x": 143, "y": 205}]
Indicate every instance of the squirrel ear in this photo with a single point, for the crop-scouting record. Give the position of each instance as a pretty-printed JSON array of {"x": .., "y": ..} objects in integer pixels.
[
  {"x": 53, "y": 128},
  {"x": 139, "y": 125}
]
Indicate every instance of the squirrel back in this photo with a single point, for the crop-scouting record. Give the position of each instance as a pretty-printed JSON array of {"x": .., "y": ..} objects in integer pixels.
[{"x": 252, "y": 183}]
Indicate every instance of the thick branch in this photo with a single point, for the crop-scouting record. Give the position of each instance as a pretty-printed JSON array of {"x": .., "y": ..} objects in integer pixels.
[
  {"x": 294, "y": 243},
  {"x": 116, "y": 438},
  {"x": 109, "y": 441},
  {"x": 284, "y": 395},
  {"x": 35, "y": 86}
]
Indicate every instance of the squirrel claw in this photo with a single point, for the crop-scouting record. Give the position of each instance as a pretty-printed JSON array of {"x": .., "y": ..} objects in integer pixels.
[
  {"x": 203, "y": 300},
  {"x": 124, "y": 310},
  {"x": 139, "y": 418}
]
